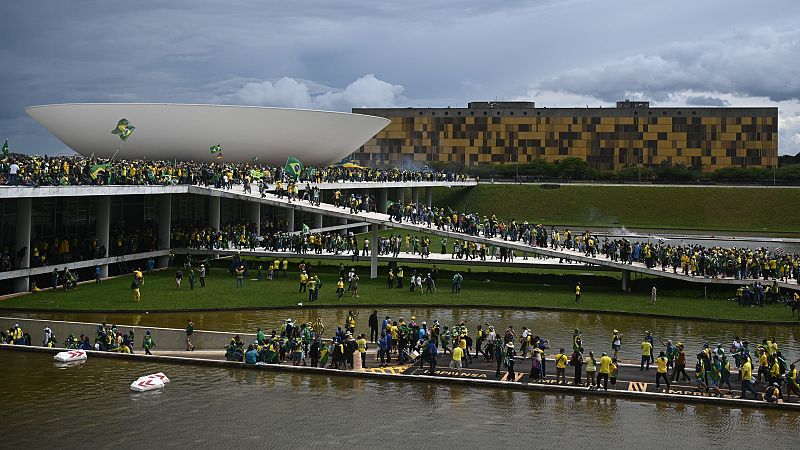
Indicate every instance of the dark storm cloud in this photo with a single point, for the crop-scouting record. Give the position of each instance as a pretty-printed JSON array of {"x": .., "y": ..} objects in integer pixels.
[
  {"x": 351, "y": 53},
  {"x": 758, "y": 63},
  {"x": 705, "y": 100}
]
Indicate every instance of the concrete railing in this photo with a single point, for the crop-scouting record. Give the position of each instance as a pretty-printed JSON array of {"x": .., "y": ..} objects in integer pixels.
[{"x": 166, "y": 338}]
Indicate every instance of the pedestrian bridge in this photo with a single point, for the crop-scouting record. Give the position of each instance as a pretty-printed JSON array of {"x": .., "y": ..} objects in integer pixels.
[{"x": 379, "y": 219}]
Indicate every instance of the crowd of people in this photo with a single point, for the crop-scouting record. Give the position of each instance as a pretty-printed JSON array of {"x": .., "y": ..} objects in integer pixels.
[
  {"x": 761, "y": 370},
  {"x": 417, "y": 342},
  {"x": 35, "y": 170},
  {"x": 692, "y": 260}
]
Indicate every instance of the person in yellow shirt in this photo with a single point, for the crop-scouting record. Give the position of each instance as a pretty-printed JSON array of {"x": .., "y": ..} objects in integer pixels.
[
  {"x": 661, "y": 372},
  {"x": 340, "y": 288},
  {"x": 362, "y": 348},
  {"x": 578, "y": 292},
  {"x": 303, "y": 281},
  {"x": 458, "y": 354},
  {"x": 747, "y": 379},
  {"x": 561, "y": 366},
  {"x": 792, "y": 382},
  {"x": 605, "y": 371},
  {"x": 647, "y": 351}
]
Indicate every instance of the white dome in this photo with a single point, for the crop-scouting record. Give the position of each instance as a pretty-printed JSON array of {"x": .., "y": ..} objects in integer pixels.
[{"x": 185, "y": 132}]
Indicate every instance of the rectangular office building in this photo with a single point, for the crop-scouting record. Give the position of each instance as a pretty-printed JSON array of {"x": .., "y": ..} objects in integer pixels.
[{"x": 629, "y": 135}]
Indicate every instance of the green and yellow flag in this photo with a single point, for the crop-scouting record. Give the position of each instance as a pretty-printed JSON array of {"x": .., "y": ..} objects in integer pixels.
[
  {"x": 215, "y": 149},
  {"x": 293, "y": 167},
  {"x": 124, "y": 129},
  {"x": 256, "y": 174},
  {"x": 5, "y": 148},
  {"x": 98, "y": 169}
]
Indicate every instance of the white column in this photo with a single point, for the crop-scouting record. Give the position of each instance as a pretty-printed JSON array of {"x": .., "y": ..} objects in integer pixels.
[
  {"x": 254, "y": 215},
  {"x": 213, "y": 212},
  {"x": 102, "y": 227},
  {"x": 373, "y": 255},
  {"x": 23, "y": 240},
  {"x": 164, "y": 226},
  {"x": 415, "y": 195},
  {"x": 626, "y": 279},
  {"x": 317, "y": 220},
  {"x": 429, "y": 196}
]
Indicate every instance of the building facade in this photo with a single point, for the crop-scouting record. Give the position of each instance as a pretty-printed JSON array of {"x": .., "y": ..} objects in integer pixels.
[{"x": 629, "y": 135}]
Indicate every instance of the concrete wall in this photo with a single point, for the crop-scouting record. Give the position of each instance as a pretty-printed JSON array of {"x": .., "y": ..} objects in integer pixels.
[{"x": 166, "y": 338}]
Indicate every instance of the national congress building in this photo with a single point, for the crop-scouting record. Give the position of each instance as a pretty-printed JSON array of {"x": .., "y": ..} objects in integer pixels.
[{"x": 630, "y": 134}]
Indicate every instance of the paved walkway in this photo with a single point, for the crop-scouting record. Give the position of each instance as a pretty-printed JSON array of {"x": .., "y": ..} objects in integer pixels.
[{"x": 629, "y": 378}]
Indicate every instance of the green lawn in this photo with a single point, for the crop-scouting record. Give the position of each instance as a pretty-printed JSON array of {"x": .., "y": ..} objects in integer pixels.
[
  {"x": 687, "y": 208},
  {"x": 159, "y": 293}
]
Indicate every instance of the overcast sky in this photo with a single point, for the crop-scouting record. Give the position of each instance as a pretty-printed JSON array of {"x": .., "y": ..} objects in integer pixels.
[{"x": 339, "y": 54}]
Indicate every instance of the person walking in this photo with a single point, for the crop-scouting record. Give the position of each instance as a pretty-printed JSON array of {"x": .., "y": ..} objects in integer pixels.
[
  {"x": 202, "y": 273},
  {"x": 189, "y": 333},
  {"x": 578, "y": 292},
  {"x": 148, "y": 343},
  {"x": 432, "y": 353},
  {"x": 616, "y": 342},
  {"x": 653, "y": 295},
  {"x": 135, "y": 287},
  {"x": 661, "y": 372},
  {"x": 680, "y": 365},
  {"x": 192, "y": 279},
  {"x": 510, "y": 360},
  {"x": 747, "y": 379},
  {"x": 647, "y": 349},
  {"x": 373, "y": 326},
  {"x": 178, "y": 278}
]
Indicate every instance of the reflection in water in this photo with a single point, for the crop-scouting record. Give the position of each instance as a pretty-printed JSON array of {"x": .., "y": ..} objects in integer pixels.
[{"x": 211, "y": 406}]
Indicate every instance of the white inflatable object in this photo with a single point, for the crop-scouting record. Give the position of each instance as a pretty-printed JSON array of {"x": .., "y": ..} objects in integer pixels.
[
  {"x": 70, "y": 356},
  {"x": 157, "y": 376},
  {"x": 145, "y": 384}
]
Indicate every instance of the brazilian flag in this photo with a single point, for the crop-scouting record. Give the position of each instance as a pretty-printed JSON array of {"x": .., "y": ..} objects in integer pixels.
[
  {"x": 305, "y": 229},
  {"x": 293, "y": 167},
  {"x": 98, "y": 169},
  {"x": 256, "y": 174},
  {"x": 215, "y": 149},
  {"x": 323, "y": 356},
  {"x": 124, "y": 129},
  {"x": 5, "y": 148}
]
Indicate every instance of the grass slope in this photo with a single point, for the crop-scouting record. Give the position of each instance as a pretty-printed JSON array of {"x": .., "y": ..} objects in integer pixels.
[
  {"x": 688, "y": 208},
  {"x": 159, "y": 294}
]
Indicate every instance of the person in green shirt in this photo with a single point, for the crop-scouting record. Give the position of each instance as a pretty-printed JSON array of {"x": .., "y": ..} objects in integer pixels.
[
  {"x": 260, "y": 336},
  {"x": 148, "y": 343},
  {"x": 189, "y": 333}
]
